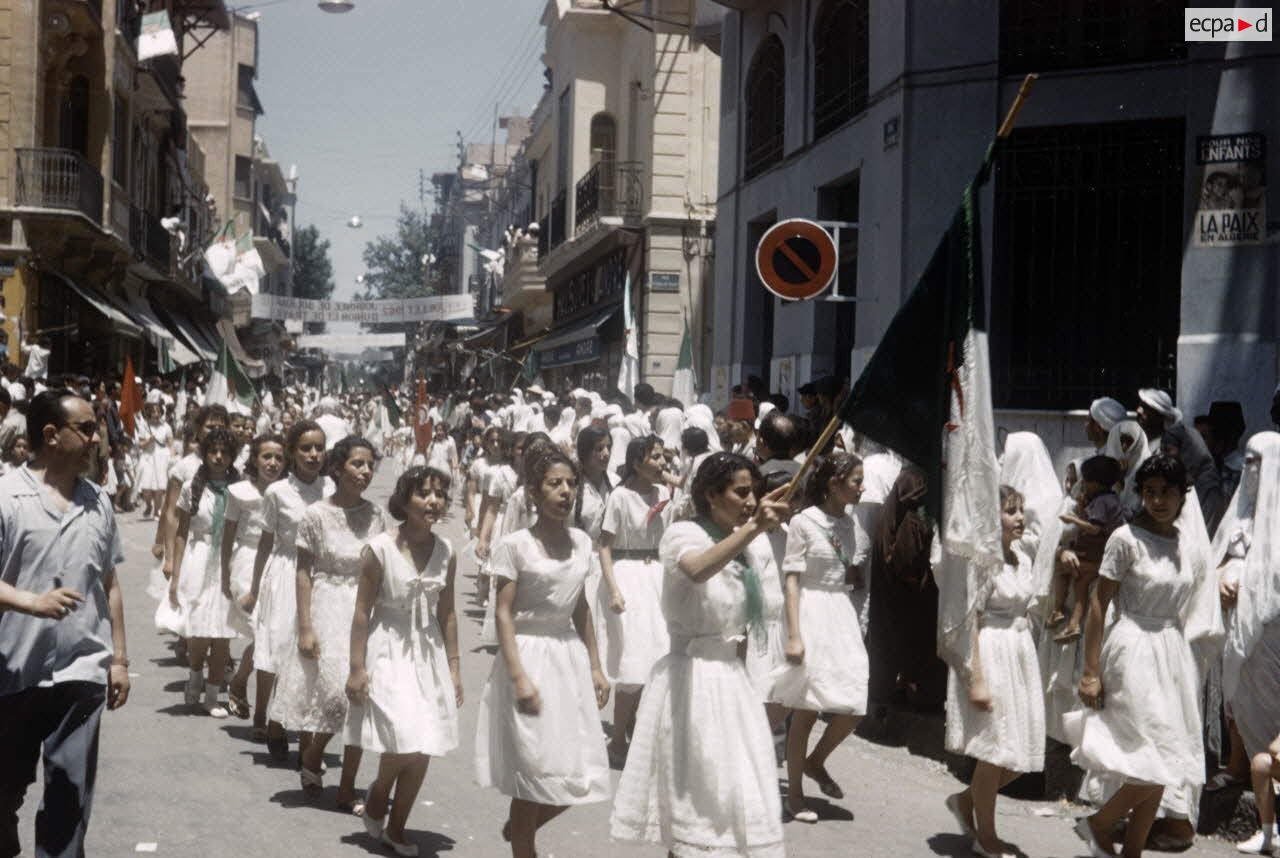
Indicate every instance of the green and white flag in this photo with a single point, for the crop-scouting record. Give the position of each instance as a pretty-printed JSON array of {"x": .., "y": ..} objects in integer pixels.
[
  {"x": 629, "y": 369},
  {"x": 229, "y": 385},
  {"x": 684, "y": 385},
  {"x": 926, "y": 394}
]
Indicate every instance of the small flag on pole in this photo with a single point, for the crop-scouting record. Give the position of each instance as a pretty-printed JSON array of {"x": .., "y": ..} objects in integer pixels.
[
  {"x": 131, "y": 400},
  {"x": 229, "y": 383},
  {"x": 684, "y": 385}
]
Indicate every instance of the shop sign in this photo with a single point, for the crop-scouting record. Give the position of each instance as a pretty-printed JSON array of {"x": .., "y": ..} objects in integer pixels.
[
  {"x": 583, "y": 351},
  {"x": 597, "y": 285}
]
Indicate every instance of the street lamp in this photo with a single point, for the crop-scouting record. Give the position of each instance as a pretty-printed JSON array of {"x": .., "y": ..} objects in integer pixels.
[{"x": 337, "y": 7}]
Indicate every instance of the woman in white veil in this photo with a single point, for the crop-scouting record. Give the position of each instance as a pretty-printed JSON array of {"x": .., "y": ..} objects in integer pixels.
[
  {"x": 1127, "y": 444},
  {"x": 1026, "y": 466},
  {"x": 1247, "y": 546}
]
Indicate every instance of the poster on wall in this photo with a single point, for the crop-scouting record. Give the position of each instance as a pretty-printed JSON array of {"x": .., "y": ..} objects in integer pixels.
[{"x": 1231, "y": 209}]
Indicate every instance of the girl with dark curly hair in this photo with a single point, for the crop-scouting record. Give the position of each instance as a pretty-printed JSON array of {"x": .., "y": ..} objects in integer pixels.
[{"x": 404, "y": 683}]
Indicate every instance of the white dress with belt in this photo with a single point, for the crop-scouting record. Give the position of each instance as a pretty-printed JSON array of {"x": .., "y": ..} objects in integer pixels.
[
  {"x": 701, "y": 777},
  {"x": 556, "y": 757},
  {"x": 835, "y": 672},
  {"x": 1012, "y": 734}
]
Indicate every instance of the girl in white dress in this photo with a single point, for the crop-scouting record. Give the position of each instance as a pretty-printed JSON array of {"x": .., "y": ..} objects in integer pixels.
[
  {"x": 538, "y": 729},
  {"x": 272, "y": 599},
  {"x": 442, "y": 452},
  {"x": 240, "y": 537},
  {"x": 500, "y": 483},
  {"x": 1140, "y": 681},
  {"x": 764, "y": 662},
  {"x": 827, "y": 668},
  {"x": 475, "y": 479},
  {"x": 405, "y": 685},
  {"x": 701, "y": 776},
  {"x": 1248, "y": 547},
  {"x": 996, "y": 713},
  {"x": 153, "y": 440},
  {"x": 310, "y": 694},
  {"x": 630, "y": 600},
  {"x": 594, "y": 448},
  {"x": 207, "y": 613}
]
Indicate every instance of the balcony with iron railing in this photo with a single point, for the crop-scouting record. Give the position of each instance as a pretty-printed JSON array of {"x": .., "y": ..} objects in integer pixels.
[
  {"x": 609, "y": 190},
  {"x": 150, "y": 239},
  {"x": 544, "y": 236},
  {"x": 58, "y": 179}
]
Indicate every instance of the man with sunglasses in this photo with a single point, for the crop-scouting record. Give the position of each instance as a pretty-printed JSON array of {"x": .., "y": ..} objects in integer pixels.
[{"x": 62, "y": 644}]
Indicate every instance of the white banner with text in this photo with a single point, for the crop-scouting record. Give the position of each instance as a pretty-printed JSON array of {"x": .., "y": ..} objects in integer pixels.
[{"x": 438, "y": 308}]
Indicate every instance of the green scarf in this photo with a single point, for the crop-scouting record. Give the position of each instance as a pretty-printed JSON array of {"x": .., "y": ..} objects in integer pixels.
[
  {"x": 750, "y": 583},
  {"x": 219, "y": 488}
]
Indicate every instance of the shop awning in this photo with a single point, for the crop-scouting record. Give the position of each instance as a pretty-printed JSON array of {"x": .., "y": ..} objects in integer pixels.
[
  {"x": 576, "y": 343},
  {"x": 210, "y": 336},
  {"x": 254, "y": 367},
  {"x": 182, "y": 327},
  {"x": 120, "y": 321}
]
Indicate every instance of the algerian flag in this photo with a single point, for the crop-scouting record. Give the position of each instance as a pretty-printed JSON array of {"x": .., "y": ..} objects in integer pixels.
[
  {"x": 229, "y": 383},
  {"x": 529, "y": 369},
  {"x": 684, "y": 385},
  {"x": 629, "y": 370},
  {"x": 926, "y": 394}
]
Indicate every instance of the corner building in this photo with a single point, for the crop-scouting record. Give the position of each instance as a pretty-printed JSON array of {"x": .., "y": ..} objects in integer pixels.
[{"x": 879, "y": 113}]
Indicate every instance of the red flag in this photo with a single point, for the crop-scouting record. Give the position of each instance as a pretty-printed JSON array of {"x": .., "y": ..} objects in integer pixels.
[
  {"x": 130, "y": 396},
  {"x": 422, "y": 428}
]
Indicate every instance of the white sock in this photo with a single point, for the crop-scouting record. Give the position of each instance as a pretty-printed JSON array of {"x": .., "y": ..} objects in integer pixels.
[{"x": 211, "y": 690}]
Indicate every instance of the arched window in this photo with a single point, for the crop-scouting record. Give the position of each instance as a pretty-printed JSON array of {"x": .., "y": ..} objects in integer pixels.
[
  {"x": 604, "y": 138},
  {"x": 766, "y": 100},
  {"x": 840, "y": 63}
]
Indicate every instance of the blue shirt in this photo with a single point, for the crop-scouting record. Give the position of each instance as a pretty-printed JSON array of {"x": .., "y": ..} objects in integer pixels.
[{"x": 43, "y": 547}]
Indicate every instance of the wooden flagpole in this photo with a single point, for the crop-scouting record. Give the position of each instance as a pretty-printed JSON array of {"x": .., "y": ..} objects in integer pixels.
[{"x": 1006, "y": 128}]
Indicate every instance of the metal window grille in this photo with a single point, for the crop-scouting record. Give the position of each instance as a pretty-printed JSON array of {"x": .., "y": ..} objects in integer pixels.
[
  {"x": 1045, "y": 35},
  {"x": 841, "y": 61},
  {"x": 1087, "y": 263},
  {"x": 766, "y": 97}
]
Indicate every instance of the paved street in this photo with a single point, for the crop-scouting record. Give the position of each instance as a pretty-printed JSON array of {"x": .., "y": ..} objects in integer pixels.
[{"x": 177, "y": 783}]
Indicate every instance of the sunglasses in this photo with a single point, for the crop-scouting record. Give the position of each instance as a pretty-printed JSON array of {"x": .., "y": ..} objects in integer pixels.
[{"x": 85, "y": 429}]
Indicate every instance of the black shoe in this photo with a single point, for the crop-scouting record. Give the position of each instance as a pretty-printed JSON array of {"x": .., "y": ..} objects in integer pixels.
[{"x": 278, "y": 748}]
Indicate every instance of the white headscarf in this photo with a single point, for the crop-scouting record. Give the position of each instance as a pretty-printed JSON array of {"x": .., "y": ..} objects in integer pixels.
[
  {"x": 670, "y": 421},
  {"x": 1256, "y": 507},
  {"x": 1130, "y": 460},
  {"x": 765, "y": 408},
  {"x": 1026, "y": 466},
  {"x": 1107, "y": 412},
  {"x": 700, "y": 417}
]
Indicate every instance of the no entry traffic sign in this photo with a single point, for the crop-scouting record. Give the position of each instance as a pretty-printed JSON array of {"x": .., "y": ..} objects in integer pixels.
[{"x": 796, "y": 259}]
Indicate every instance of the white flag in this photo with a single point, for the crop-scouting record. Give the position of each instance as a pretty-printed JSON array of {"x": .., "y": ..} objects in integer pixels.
[{"x": 629, "y": 371}]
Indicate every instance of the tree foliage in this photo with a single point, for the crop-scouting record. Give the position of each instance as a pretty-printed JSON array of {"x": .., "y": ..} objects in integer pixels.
[
  {"x": 393, "y": 264},
  {"x": 312, "y": 270}
]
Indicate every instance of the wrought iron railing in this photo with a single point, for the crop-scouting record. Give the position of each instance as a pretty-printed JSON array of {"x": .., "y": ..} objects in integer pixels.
[
  {"x": 544, "y": 236},
  {"x": 150, "y": 239},
  {"x": 59, "y": 179},
  {"x": 609, "y": 189},
  {"x": 557, "y": 228}
]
